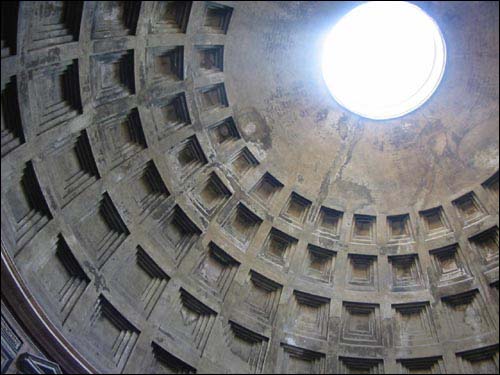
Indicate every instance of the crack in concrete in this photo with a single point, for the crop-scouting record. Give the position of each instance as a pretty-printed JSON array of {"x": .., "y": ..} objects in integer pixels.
[{"x": 350, "y": 135}]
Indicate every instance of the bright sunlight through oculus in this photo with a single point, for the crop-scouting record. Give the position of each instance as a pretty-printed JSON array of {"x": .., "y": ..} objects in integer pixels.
[{"x": 383, "y": 59}]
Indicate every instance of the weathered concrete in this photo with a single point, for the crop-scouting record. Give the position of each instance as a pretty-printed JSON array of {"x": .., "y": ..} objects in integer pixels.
[{"x": 181, "y": 193}]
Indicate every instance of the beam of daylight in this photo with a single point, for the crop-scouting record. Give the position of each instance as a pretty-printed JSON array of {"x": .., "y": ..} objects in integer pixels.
[{"x": 383, "y": 59}]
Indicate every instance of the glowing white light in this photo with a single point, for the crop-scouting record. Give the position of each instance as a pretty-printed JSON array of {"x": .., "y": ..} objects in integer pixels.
[{"x": 384, "y": 59}]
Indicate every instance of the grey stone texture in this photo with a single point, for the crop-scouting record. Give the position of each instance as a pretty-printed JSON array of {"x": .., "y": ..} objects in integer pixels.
[{"x": 181, "y": 194}]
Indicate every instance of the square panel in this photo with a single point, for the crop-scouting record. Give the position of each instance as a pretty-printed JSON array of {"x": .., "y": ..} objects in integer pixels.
[
  {"x": 406, "y": 273},
  {"x": 329, "y": 222},
  {"x": 247, "y": 345},
  {"x": 469, "y": 208},
  {"x": 55, "y": 23},
  {"x": 399, "y": 229},
  {"x": 210, "y": 58},
  {"x": 121, "y": 136},
  {"x": 215, "y": 270},
  {"x": 261, "y": 298},
  {"x": 243, "y": 161},
  {"x": 170, "y": 114},
  {"x": 144, "y": 281},
  {"x": 319, "y": 263},
  {"x": 29, "y": 212},
  {"x": 115, "y": 19},
  {"x": 466, "y": 314},
  {"x": 63, "y": 277},
  {"x": 266, "y": 188},
  {"x": 189, "y": 157},
  {"x": 178, "y": 232},
  {"x": 435, "y": 223},
  {"x": 64, "y": 102},
  {"x": 310, "y": 315},
  {"x": 112, "y": 335},
  {"x": 486, "y": 245},
  {"x": 147, "y": 189},
  {"x": 491, "y": 185},
  {"x": 360, "y": 324},
  {"x": 165, "y": 63},
  {"x": 102, "y": 229},
  {"x": 242, "y": 224},
  {"x": 296, "y": 209},
  {"x": 449, "y": 265},
  {"x": 210, "y": 195},
  {"x": 295, "y": 360},
  {"x": 278, "y": 248},
  {"x": 479, "y": 361},
  {"x": 112, "y": 76},
  {"x": 216, "y": 18},
  {"x": 170, "y": 16},
  {"x": 224, "y": 132},
  {"x": 71, "y": 166},
  {"x": 413, "y": 324},
  {"x": 191, "y": 320},
  {"x": 212, "y": 97},
  {"x": 364, "y": 229},
  {"x": 362, "y": 272}
]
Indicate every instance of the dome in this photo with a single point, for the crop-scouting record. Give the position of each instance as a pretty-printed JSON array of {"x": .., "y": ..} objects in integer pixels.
[{"x": 182, "y": 193}]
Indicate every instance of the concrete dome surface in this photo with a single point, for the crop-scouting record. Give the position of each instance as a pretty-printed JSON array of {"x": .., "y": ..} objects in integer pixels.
[{"x": 182, "y": 194}]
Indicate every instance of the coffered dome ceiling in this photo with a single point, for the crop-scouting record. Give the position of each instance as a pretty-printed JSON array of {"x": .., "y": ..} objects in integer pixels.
[
  {"x": 181, "y": 193},
  {"x": 273, "y": 77}
]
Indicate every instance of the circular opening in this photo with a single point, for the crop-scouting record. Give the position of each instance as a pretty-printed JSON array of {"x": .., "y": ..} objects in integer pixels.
[{"x": 383, "y": 59}]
